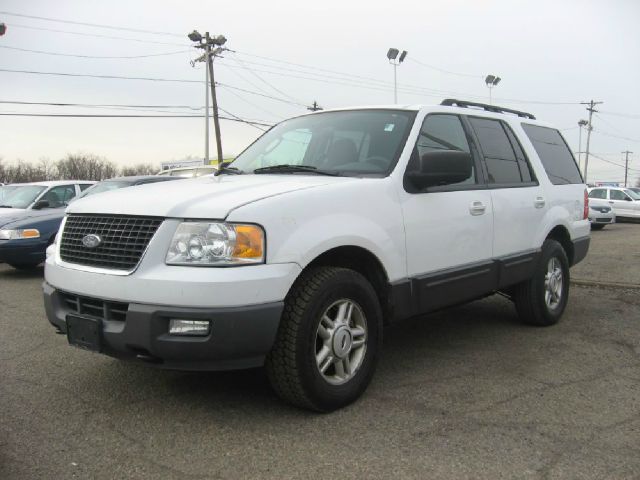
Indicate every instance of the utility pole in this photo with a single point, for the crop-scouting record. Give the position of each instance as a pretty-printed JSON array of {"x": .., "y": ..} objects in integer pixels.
[
  {"x": 626, "y": 166},
  {"x": 206, "y": 43},
  {"x": 314, "y": 107},
  {"x": 581, "y": 123},
  {"x": 591, "y": 110}
]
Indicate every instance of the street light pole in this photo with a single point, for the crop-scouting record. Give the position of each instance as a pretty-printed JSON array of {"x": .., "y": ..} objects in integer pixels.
[
  {"x": 392, "y": 54},
  {"x": 206, "y": 117},
  {"x": 591, "y": 110},
  {"x": 206, "y": 43},
  {"x": 491, "y": 81}
]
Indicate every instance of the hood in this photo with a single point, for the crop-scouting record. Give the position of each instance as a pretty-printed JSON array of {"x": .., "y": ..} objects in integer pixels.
[
  {"x": 206, "y": 197},
  {"x": 11, "y": 215},
  {"x": 5, "y": 212}
]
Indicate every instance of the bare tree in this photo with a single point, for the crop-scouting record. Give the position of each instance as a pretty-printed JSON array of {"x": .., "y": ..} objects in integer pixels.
[
  {"x": 140, "y": 169},
  {"x": 81, "y": 166}
]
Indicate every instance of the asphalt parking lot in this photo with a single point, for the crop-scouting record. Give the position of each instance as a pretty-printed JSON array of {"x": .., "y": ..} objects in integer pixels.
[{"x": 464, "y": 393}]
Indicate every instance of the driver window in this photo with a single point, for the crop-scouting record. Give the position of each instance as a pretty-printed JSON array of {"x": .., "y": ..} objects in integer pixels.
[
  {"x": 59, "y": 196},
  {"x": 442, "y": 132},
  {"x": 618, "y": 195}
]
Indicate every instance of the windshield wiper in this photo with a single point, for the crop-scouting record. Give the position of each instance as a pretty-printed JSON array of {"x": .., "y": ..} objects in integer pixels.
[
  {"x": 6, "y": 206},
  {"x": 225, "y": 168},
  {"x": 284, "y": 168}
]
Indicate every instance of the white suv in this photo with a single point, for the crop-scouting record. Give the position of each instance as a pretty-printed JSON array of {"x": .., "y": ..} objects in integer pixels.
[{"x": 325, "y": 229}]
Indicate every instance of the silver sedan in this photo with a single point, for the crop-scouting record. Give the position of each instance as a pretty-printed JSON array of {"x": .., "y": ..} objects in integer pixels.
[{"x": 600, "y": 214}]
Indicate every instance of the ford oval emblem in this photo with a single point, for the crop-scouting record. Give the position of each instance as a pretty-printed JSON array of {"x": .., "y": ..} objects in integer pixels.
[{"x": 91, "y": 240}]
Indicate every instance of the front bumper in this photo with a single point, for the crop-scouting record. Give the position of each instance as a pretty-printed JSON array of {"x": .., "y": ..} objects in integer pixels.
[
  {"x": 240, "y": 337},
  {"x": 21, "y": 251}
]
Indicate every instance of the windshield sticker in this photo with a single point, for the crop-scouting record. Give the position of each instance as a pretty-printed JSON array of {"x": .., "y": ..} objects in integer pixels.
[{"x": 389, "y": 127}]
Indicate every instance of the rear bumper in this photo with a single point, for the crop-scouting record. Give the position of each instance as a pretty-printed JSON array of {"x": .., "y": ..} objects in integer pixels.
[{"x": 240, "y": 337}]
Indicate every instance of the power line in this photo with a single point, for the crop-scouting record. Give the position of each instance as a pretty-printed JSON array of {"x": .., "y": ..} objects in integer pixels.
[
  {"x": 86, "y": 24},
  {"x": 433, "y": 67},
  {"x": 110, "y": 77},
  {"x": 93, "y": 56},
  {"x": 273, "y": 87},
  {"x": 80, "y": 115},
  {"x": 613, "y": 163},
  {"x": 153, "y": 79},
  {"x": 96, "y": 35}
]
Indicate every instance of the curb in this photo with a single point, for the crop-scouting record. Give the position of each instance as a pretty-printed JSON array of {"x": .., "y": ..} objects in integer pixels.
[{"x": 592, "y": 283}]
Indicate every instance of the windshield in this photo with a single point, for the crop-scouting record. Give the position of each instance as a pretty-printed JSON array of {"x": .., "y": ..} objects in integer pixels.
[
  {"x": 632, "y": 194},
  {"x": 104, "y": 187},
  {"x": 6, "y": 190},
  {"x": 355, "y": 142},
  {"x": 22, "y": 197}
]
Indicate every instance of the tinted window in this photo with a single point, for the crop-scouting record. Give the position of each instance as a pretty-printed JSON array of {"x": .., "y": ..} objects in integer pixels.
[
  {"x": 618, "y": 195},
  {"x": 598, "y": 193},
  {"x": 500, "y": 158},
  {"x": 84, "y": 186},
  {"x": 554, "y": 153},
  {"x": 442, "y": 132}
]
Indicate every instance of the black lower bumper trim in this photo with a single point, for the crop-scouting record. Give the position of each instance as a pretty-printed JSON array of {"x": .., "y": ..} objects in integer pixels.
[
  {"x": 240, "y": 337},
  {"x": 580, "y": 249}
]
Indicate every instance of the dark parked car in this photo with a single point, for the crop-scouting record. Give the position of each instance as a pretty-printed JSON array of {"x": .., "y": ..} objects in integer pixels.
[{"x": 30, "y": 215}]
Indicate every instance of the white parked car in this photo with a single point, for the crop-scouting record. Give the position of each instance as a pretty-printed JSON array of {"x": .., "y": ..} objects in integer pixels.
[
  {"x": 624, "y": 202},
  {"x": 326, "y": 228},
  {"x": 600, "y": 214}
]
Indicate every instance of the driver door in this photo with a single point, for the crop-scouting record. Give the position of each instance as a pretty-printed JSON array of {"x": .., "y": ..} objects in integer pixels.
[{"x": 449, "y": 229}]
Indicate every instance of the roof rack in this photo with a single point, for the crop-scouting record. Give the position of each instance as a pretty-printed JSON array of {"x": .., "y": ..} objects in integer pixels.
[{"x": 452, "y": 102}]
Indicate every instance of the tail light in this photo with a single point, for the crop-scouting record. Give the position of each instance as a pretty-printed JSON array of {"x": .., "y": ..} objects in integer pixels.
[{"x": 585, "y": 214}]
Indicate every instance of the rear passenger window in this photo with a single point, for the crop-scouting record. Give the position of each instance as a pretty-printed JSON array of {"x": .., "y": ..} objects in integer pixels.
[
  {"x": 504, "y": 167},
  {"x": 554, "y": 153},
  {"x": 598, "y": 193}
]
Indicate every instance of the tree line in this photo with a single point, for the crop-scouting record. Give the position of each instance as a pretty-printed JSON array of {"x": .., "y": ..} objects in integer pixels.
[{"x": 78, "y": 166}]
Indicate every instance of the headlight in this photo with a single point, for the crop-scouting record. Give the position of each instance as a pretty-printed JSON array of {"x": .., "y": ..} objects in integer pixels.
[
  {"x": 218, "y": 243},
  {"x": 19, "y": 233}
]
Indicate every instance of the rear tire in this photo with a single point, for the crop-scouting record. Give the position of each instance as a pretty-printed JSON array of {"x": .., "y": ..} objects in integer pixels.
[
  {"x": 597, "y": 226},
  {"x": 541, "y": 300},
  {"x": 328, "y": 340}
]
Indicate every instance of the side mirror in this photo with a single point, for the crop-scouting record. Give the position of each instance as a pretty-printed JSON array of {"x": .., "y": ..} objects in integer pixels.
[
  {"x": 444, "y": 167},
  {"x": 40, "y": 204},
  {"x": 627, "y": 199}
]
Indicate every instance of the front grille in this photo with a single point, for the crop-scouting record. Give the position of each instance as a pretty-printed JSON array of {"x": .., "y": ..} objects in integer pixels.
[
  {"x": 123, "y": 240},
  {"x": 94, "y": 307},
  {"x": 601, "y": 209}
]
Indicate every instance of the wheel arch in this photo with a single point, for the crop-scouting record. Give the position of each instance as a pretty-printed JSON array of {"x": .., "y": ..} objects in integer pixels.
[
  {"x": 560, "y": 234},
  {"x": 366, "y": 263}
]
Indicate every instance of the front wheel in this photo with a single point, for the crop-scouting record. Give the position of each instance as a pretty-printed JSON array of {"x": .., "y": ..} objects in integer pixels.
[
  {"x": 597, "y": 226},
  {"x": 24, "y": 266},
  {"x": 327, "y": 344},
  {"x": 541, "y": 300}
]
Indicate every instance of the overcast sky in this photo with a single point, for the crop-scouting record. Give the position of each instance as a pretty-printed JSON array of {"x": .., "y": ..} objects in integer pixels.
[{"x": 551, "y": 55}]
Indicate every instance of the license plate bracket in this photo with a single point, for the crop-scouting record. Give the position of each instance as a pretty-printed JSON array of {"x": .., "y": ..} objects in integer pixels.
[{"x": 85, "y": 332}]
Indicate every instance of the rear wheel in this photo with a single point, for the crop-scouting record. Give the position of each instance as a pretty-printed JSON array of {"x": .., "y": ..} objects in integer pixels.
[
  {"x": 328, "y": 340},
  {"x": 541, "y": 300}
]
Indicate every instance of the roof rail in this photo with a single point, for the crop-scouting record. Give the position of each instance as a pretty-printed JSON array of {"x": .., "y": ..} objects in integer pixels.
[{"x": 452, "y": 102}]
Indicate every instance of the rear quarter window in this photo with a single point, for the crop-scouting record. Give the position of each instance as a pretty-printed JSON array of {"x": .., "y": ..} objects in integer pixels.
[{"x": 554, "y": 154}]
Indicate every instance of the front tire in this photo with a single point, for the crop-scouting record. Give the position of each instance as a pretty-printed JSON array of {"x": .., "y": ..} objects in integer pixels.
[
  {"x": 328, "y": 341},
  {"x": 24, "y": 266},
  {"x": 597, "y": 226},
  {"x": 541, "y": 300}
]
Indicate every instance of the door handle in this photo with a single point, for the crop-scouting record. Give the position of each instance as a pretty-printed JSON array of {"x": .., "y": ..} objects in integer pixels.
[
  {"x": 539, "y": 202},
  {"x": 477, "y": 208},
  {"x": 611, "y": 202}
]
